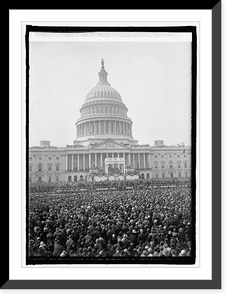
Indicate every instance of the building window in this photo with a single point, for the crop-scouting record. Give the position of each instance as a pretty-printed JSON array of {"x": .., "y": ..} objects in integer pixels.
[
  {"x": 57, "y": 158},
  {"x": 162, "y": 156},
  {"x": 171, "y": 175},
  {"x": 49, "y": 168},
  {"x": 49, "y": 158},
  {"x": 49, "y": 178},
  {"x": 185, "y": 165},
  {"x": 163, "y": 175},
  {"x": 40, "y": 167},
  {"x": 39, "y": 178},
  {"x": 186, "y": 174},
  {"x": 57, "y": 178},
  {"x": 57, "y": 167},
  {"x": 163, "y": 166},
  {"x": 156, "y": 175},
  {"x": 155, "y": 156},
  {"x": 40, "y": 158},
  {"x": 170, "y": 166},
  {"x": 179, "y": 174}
]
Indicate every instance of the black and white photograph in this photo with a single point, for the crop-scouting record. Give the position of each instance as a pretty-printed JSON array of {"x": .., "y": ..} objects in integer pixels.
[{"x": 111, "y": 145}]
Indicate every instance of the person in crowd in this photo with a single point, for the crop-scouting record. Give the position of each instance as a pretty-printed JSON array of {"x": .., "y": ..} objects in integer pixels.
[{"x": 115, "y": 223}]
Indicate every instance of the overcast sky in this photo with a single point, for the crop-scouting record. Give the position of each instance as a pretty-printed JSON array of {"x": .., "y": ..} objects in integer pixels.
[{"x": 153, "y": 79}]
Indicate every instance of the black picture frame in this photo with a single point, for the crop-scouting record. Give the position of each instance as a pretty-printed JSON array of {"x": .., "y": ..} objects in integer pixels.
[{"x": 215, "y": 282}]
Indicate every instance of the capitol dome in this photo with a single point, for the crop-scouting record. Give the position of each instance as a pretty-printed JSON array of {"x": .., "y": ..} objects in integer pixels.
[
  {"x": 103, "y": 114},
  {"x": 103, "y": 91}
]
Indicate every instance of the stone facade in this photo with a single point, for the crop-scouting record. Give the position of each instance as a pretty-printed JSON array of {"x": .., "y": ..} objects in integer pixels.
[{"x": 105, "y": 131}]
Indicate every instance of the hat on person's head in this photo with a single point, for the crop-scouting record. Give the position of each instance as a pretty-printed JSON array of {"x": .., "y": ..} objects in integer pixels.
[
  {"x": 63, "y": 253},
  {"x": 133, "y": 231}
]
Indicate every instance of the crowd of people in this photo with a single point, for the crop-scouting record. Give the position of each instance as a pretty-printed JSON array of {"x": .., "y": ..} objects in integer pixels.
[{"x": 121, "y": 223}]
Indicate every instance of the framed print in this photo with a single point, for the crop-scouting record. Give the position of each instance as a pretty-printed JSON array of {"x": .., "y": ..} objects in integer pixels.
[{"x": 116, "y": 123}]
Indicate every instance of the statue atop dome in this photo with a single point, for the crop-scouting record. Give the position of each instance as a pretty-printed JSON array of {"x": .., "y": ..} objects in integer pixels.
[{"x": 103, "y": 74}]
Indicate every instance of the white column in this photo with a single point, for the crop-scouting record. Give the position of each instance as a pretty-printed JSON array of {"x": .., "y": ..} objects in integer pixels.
[
  {"x": 129, "y": 158},
  {"x": 87, "y": 128},
  {"x": 101, "y": 161},
  {"x": 72, "y": 161},
  {"x": 66, "y": 166},
  {"x": 124, "y": 157},
  {"x": 109, "y": 127},
  {"x": 89, "y": 160},
  {"x": 144, "y": 160},
  {"x": 84, "y": 161},
  {"x": 95, "y": 160},
  {"x": 78, "y": 161}
]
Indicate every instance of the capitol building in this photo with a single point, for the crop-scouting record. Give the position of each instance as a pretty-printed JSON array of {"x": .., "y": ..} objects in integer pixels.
[{"x": 104, "y": 147}]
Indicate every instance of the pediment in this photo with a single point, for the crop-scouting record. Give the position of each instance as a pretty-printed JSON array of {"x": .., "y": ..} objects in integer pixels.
[{"x": 110, "y": 144}]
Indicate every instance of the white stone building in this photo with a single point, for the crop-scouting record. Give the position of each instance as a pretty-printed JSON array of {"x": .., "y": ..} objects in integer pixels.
[{"x": 104, "y": 142}]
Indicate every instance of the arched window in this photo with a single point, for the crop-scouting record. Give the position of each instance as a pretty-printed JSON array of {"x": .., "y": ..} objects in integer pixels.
[
  {"x": 75, "y": 178},
  {"x": 40, "y": 167},
  {"x": 148, "y": 175},
  {"x": 69, "y": 178},
  {"x": 49, "y": 167},
  {"x": 81, "y": 177},
  {"x": 142, "y": 176}
]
